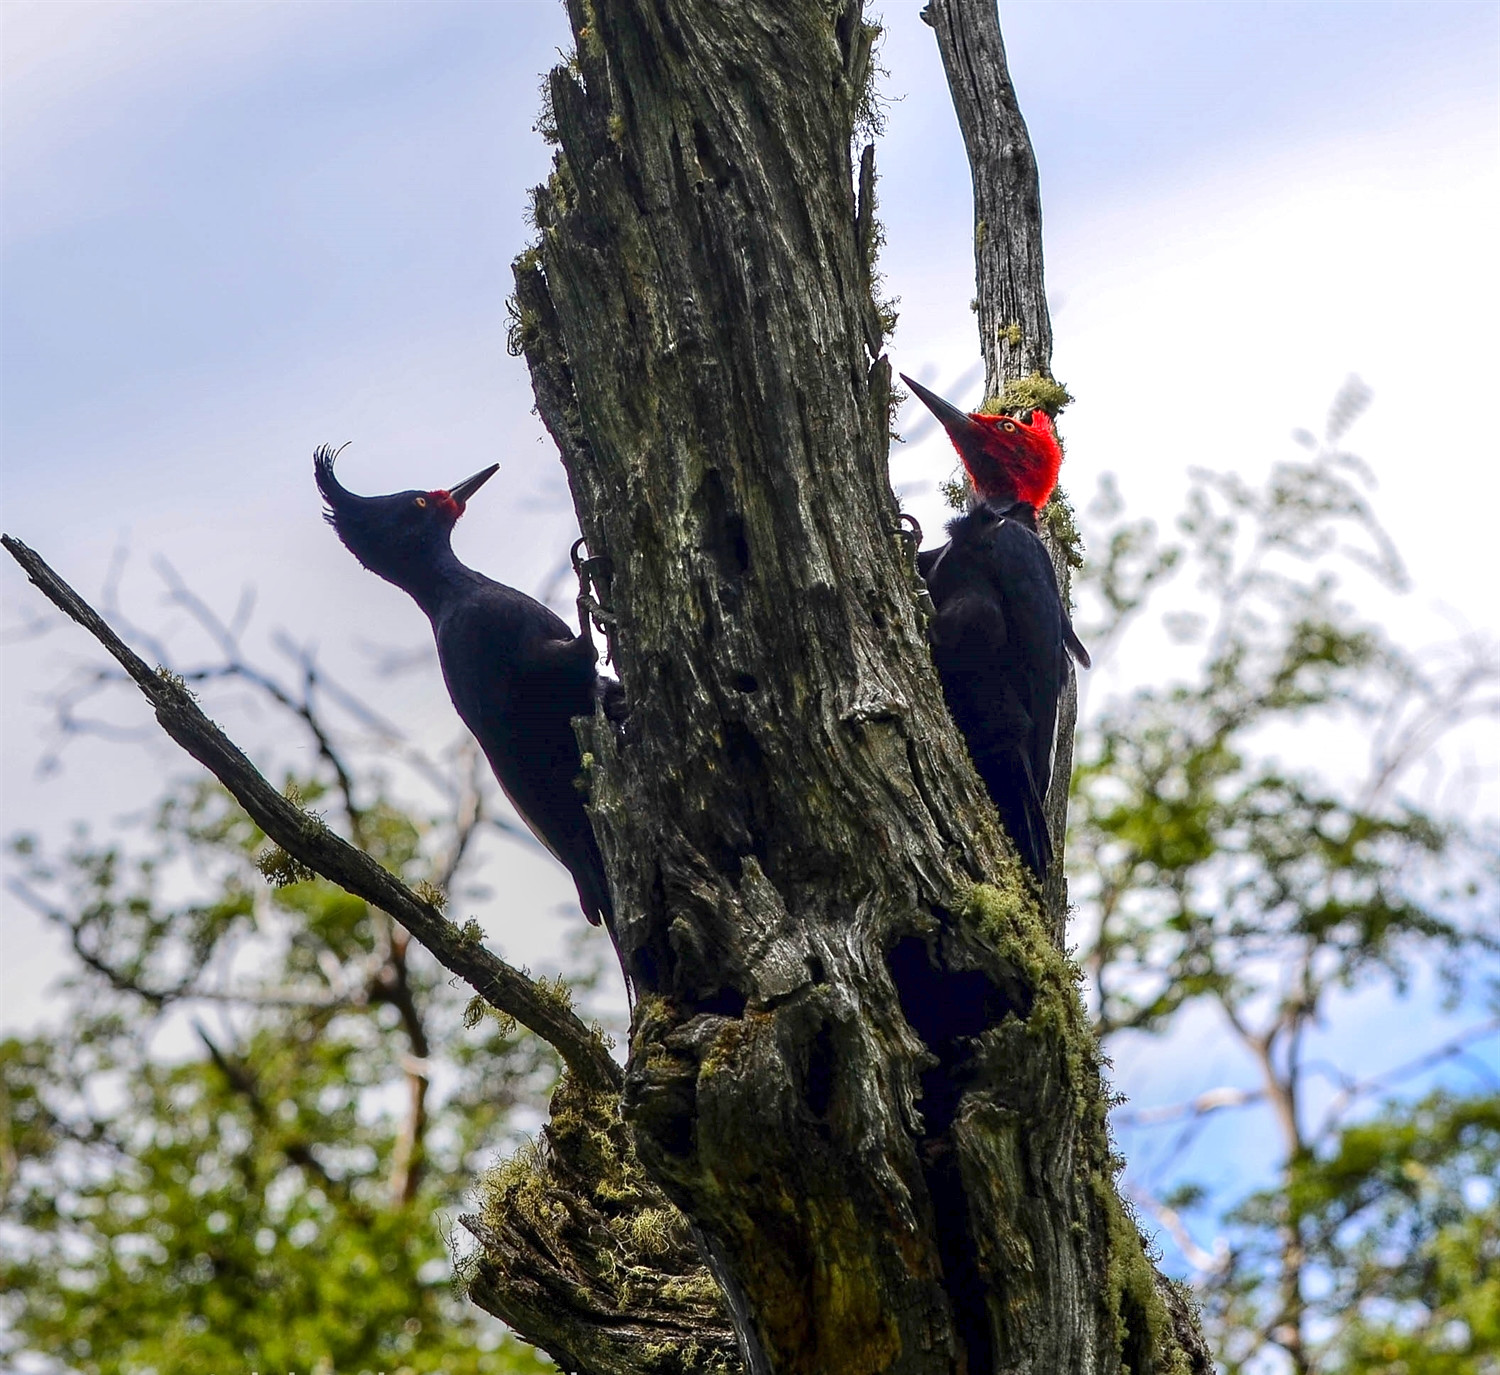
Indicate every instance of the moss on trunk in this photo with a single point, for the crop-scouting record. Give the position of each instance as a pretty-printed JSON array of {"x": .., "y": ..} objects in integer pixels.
[{"x": 858, "y": 1062}]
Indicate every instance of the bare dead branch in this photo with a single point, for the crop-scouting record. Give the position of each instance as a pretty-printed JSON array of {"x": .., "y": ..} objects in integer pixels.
[
  {"x": 468, "y": 812},
  {"x": 1426, "y": 708},
  {"x": 393, "y": 986},
  {"x": 1015, "y": 329},
  {"x": 235, "y": 665},
  {"x": 243, "y": 1082},
  {"x": 32, "y": 626},
  {"x": 1454, "y": 1048},
  {"x": 1201, "y": 1105},
  {"x": 117, "y": 978}
]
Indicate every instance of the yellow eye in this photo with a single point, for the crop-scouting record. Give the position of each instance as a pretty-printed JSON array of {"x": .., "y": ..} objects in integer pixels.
[
  {"x": 1010, "y": 427},
  {"x": 421, "y": 501}
]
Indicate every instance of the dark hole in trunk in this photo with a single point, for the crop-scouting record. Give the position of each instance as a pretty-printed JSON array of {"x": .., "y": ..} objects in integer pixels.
[
  {"x": 947, "y": 1008},
  {"x": 817, "y": 1087},
  {"x": 724, "y": 530},
  {"x": 726, "y": 1002}
]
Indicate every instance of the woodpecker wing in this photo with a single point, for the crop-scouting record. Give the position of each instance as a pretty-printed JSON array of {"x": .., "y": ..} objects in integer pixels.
[
  {"x": 1023, "y": 579},
  {"x": 999, "y": 641},
  {"x": 518, "y": 676}
]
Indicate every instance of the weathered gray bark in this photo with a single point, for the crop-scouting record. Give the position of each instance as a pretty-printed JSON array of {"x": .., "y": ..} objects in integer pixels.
[
  {"x": 1015, "y": 330},
  {"x": 1015, "y": 327},
  {"x": 858, "y": 1061},
  {"x": 585, "y": 1257}
]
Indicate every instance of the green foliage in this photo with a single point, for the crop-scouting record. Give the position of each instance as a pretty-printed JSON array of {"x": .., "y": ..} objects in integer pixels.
[
  {"x": 1215, "y": 863},
  {"x": 1401, "y": 1217},
  {"x": 234, "y": 1154},
  {"x": 1194, "y": 844}
]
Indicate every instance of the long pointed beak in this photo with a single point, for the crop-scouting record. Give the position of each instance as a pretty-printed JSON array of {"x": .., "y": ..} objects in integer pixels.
[
  {"x": 956, "y": 422},
  {"x": 465, "y": 489}
]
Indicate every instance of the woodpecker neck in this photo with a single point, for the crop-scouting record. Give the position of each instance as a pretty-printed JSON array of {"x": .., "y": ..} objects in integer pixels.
[{"x": 431, "y": 579}]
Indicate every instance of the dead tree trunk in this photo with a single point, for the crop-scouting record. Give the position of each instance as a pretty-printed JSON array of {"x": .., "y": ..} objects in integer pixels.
[{"x": 858, "y": 1062}]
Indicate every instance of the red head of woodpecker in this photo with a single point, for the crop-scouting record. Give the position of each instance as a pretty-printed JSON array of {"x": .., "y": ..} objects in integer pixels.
[{"x": 1006, "y": 459}]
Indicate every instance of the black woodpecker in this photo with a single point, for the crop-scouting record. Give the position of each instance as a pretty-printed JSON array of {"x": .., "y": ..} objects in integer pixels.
[
  {"x": 515, "y": 671},
  {"x": 1001, "y": 635}
]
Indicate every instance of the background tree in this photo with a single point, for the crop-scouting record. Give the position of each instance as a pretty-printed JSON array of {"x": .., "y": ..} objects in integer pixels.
[
  {"x": 247, "y": 1142},
  {"x": 1221, "y": 860}
]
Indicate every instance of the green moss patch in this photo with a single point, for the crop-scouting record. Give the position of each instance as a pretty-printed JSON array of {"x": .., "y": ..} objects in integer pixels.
[
  {"x": 576, "y": 1207},
  {"x": 1028, "y": 393}
]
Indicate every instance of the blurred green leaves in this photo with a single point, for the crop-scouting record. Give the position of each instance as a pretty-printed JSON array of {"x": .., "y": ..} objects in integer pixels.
[
  {"x": 1242, "y": 839},
  {"x": 1400, "y": 1214},
  {"x": 234, "y": 1152}
]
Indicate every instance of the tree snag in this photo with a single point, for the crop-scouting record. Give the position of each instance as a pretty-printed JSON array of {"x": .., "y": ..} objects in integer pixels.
[
  {"x": 859, "y": 1065},
  {"x": 858, "y": 1060}
]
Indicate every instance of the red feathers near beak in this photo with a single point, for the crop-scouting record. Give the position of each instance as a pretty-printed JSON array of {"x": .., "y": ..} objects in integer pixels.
[
  {"x": 453, "y": 500},
  {"x": 1006, "y": 459}
]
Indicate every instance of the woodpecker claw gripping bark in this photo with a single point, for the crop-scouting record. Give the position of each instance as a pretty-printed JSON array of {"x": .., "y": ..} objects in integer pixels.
[
  {"x": 592, "y": 573},
  {"x": 910, "y": 534}
]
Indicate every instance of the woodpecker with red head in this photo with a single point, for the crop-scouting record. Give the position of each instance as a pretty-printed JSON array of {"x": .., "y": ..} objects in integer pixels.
[
  {"x": 1001, "y": 634},
  {"x": 515, "y": 671}
]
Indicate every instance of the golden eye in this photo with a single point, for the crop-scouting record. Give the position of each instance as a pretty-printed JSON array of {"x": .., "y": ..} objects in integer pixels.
[
  {"x": 1010, "y": 427},
  {"x": 421, "y": 501}
]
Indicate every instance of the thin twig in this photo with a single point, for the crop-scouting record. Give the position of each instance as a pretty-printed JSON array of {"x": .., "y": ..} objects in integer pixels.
[
  {"x": 1451, "y": 1049},
  {"x": 1214, "y": 1100},
  {"x": 1207, "y": 1263}
]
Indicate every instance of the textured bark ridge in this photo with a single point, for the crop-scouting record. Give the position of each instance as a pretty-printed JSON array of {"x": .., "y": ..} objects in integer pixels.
[
  {"x": 587, "y": 1258},
  {"x": 1015, "y": 330},
  {"x": 858, "y": 1061}
]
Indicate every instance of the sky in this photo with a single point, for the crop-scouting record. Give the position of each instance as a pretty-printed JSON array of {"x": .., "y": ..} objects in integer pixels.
[{"x": 230, "y": 232}]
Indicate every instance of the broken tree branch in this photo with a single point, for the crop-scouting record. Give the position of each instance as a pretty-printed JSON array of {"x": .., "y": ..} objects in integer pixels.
[{"x": 1015, "y": 326}]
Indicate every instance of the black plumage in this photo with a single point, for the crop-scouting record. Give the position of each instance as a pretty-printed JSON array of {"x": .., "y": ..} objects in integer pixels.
[
  {"x": 517, "y": 674},
  {"x": 1000, "y": 640},
  {"x": 1000, "y": 633}
]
